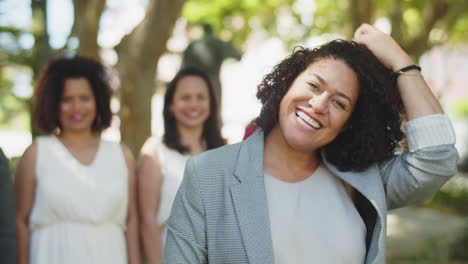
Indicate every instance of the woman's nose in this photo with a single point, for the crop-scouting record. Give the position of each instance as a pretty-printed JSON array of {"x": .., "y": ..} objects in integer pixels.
[
  {"x": 194, "y": 103},
  {"x": 74, "y": 104},
  {"x": 319, "y": 103}
]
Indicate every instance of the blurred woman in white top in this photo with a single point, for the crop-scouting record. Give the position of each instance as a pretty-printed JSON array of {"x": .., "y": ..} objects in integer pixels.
[
  {"x": 75, "y": 192},
  {"x": 192, "y": 125}
]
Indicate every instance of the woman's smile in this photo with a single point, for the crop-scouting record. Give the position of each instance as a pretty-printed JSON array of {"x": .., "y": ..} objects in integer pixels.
[
  {"x": 319, "y": 102},
  {"x": 307, "y": 120}
]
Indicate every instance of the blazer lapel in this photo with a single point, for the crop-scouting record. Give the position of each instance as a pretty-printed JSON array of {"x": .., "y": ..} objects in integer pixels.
[
  {"x": 366, "y": 182},
  {"x": 249, "y": 198}
]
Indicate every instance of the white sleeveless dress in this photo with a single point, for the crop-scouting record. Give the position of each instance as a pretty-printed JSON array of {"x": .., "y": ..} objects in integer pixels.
[
  {"x": 172, "y": 166},
  {"x": 79, "y": 212}
]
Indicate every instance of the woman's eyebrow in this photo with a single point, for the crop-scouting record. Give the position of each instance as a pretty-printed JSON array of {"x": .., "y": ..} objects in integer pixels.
[
  {"x": 323, "y": 82},
  {"x": 320, "y": 79},
  {"x": 345, "y": 96}
]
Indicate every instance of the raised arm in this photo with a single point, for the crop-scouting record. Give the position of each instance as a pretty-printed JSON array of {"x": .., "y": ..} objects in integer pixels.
[
  {"x": 133, "y": 242},
  {"x": 25, "y": 187},
  {"x": 418, "y": 99},
  {"x": 149, "y": 191},
  {"x": 431, "y": 160}
]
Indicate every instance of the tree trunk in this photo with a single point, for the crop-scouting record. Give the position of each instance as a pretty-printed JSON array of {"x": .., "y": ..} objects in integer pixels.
[
  {"x": 86, "y": 26},
  {"x": 138, "y": 54},
  {"x": 415, "y": 45},
  {"x": 362, "y": 11},
  {"x": 419, "y": 43},
  {"x": 42, "y": 51},
  {"x": 396, "y": 20}
]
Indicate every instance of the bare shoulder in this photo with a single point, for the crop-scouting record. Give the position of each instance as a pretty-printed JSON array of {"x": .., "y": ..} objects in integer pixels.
[
  {"x": 148, "y": 151},
  {"x": 149, "y": 147},
  {"x": 149, "y": 157},
  {"x": 27, "y": 163},
  {"x": 29, "y": 156}
]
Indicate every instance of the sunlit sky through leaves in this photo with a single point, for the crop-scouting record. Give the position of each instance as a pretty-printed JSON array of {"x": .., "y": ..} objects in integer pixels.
[{"x": 118, "y": 19}]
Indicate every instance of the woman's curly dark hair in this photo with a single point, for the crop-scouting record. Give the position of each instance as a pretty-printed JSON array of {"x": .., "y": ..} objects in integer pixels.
[
  {"x": 373, "y": 130},
  {"x": 211, "y": 127},
  {"x": 49, "y": 91}
]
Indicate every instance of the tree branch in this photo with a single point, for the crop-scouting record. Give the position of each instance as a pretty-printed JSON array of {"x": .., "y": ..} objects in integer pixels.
[
  {"x": 86, "y": 25},
  {"x": 435, "y": 12},
  {"x": 455, "y": 12},
  {"x": 396, "y": 20},
  {"x": 362, "y": 11}
]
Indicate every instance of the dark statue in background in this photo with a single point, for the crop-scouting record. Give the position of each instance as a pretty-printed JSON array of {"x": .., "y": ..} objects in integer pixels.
[{"x": 208, "y": 54}]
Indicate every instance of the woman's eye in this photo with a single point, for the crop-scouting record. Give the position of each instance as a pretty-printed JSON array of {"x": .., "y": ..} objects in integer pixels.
[
  {"x": 314, "y": 86},
  {"x": 340, "y": 104}
]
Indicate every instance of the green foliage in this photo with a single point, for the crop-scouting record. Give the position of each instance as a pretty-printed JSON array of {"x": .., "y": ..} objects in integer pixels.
[
  {"x": 242, "y": 17},
  {"x": 331, "y": 16},
  {"x": 459, "y": 249},
  {"x": 460, "y": 29},
  {"x": 454, "y": 200},
  {"x": 12, "y": 164},
  {"x": 461, "y": 108},
  {"x": 238, "y": 18},
  {"x": 17, "y": 59},
  {"x": 13, "y": 110},
  {"x": 413, "y": 18}
]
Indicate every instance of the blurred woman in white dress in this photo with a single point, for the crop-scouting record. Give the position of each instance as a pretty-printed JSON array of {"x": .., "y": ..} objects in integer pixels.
[
  {"x": 192, "y": 125},
  {"x": 74, "y": 190}
]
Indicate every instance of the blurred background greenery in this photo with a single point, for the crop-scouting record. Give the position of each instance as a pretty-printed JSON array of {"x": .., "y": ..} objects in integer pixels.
[
  {"x": 143, "y": 39},
  {"x": 32, "y": 31}
]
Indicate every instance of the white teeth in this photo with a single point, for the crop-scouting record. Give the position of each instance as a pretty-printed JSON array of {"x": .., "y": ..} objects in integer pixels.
[
  {"x": 77, "y": 117},
  {"x": 308, "y": 120},
  {"x": 193, "y": 114}
]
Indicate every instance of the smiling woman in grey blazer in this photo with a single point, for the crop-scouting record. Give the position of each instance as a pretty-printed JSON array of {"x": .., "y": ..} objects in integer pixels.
[{"x": 314, "y": 183}]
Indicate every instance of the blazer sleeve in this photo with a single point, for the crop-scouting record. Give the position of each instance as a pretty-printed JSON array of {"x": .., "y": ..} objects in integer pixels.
[
  {"x": 186, "y": 226},
  {"x": 431, "y": 160}
]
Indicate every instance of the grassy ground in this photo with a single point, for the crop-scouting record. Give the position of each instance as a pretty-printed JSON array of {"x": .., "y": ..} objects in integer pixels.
[{"x": 452, "y": 199}]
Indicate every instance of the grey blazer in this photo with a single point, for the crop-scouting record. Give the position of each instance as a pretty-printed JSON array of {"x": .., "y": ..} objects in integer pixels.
[{"x": 220, "y": 213}]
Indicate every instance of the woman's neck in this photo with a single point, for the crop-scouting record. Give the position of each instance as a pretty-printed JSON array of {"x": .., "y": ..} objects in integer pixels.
[
  {"x": 283, "y": 162},
  {"x": 192, "y": 137},
  {"x": 78, "y": 138}
]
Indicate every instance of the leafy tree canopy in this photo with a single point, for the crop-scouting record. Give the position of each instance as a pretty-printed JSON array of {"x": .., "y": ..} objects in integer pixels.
[
  {"x": 236, "y": 18},
  {"x": 417, "y": 24}
]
